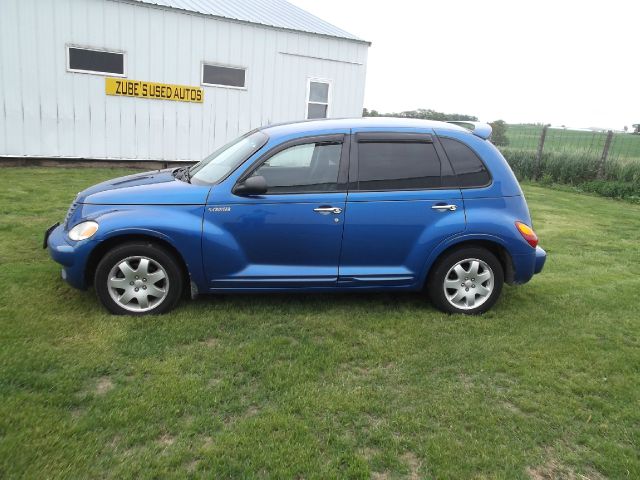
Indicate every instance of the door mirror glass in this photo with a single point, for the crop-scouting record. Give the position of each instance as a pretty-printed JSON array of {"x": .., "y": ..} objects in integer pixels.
[{"x": 252, "y": 186}]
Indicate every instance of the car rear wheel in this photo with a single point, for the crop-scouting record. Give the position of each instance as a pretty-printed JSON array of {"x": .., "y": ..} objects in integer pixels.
[
  {"x": 138, "y": 278},
  {"x": 468, "y": 280}
]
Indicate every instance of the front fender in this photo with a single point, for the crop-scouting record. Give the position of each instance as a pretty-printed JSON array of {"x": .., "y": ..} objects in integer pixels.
[{"x": 178, "y": 225}]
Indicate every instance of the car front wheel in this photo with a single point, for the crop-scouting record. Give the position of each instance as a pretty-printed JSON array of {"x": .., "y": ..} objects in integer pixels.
[
  {"x": 468, "y": 280},
  {"x": 138, "y": 278}
]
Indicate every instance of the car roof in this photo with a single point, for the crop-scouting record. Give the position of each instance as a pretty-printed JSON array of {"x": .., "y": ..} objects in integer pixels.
[{"x": 328, "y": 125}]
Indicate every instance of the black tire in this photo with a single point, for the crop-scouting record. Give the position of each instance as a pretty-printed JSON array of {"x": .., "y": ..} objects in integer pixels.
[
  {"x": 171, "y": 281},
  {"x": 438, "y": 275}
]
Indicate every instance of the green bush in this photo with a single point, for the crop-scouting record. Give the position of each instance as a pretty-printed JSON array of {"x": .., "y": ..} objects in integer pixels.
[
  {"x": 614, "y": 189},
  {"x": 499, "y": 133},
  {"x": 522, "y": 162},
  {"x": 623, "y": 171},
  {"x": 578, "y": 169}
]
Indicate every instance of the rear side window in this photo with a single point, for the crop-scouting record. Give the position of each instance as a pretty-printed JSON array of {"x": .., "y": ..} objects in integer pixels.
[
  {"x": 397, "y": 166},
  {"x": 468, "y": 167}
]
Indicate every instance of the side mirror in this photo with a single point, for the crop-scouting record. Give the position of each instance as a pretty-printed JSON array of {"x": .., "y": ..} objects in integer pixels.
[{"x": 252, "y": 186}]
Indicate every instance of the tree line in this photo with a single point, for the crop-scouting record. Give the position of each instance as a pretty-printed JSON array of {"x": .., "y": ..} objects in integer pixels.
[{"x": 498, "y": 135}]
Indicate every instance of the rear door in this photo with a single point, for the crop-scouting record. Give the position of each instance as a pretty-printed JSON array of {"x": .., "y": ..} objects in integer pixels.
[{"x": 399, "y": 207}]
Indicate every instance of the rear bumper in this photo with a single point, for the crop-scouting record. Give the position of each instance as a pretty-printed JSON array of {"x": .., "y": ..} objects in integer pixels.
[
  {"x": 541, "y": 257},
  {"x": 71, "y": 255},
  {"x": 525, "y": 266}
]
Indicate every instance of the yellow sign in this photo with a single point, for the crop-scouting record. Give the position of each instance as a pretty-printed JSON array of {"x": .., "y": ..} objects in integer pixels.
[{"x": 160, "y": 91}]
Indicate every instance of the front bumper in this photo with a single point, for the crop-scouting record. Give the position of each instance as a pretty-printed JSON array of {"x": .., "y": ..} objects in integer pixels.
[
  {"x": 71, "y": 255},
  {"x": 48, "y": 232}
]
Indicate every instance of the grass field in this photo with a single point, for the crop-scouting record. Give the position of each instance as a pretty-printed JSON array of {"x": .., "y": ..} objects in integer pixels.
[
  {"x": 318, "y": 386},
  {"x": 574, "y": 158},
  {"x": 624, "y": 147}
]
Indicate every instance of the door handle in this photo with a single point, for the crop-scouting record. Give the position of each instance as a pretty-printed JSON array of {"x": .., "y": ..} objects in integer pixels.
[
  {"x": 451, "y": 208},
  {"x": 328, "y": 210}
]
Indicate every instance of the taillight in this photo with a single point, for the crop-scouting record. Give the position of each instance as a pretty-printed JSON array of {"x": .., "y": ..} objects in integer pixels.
[{"x": 527, "y": 233}]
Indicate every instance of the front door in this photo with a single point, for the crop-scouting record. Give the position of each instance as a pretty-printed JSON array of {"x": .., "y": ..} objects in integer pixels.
[
  {"x": 398, "y": 209},
  {"x": 289, "y": 237}
]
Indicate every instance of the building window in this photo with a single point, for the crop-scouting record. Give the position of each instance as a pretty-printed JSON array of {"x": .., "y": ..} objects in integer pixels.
[
  {"x": 91, "y": 60},
  {"x": 318, "y": 92},
  {"x": 219, "y": 76}
]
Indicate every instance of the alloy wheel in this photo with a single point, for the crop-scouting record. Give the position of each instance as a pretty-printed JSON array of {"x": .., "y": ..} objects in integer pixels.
[
  {"x": 468, "y": 284},
  {"x": 138, "y": 283}
]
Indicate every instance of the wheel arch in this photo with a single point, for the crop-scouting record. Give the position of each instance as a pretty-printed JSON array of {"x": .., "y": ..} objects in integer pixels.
[
  {"x": 489, "y": 243},
  {"x": 106, "y": 245}
]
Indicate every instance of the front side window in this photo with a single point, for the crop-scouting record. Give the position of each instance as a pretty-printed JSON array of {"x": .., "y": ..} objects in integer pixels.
[
  {"x": 467, "y": 166},
  {"x": 227, "y": 158},
  {"x": 306, "y": 168},
  {"x": 220, "y": 76},
  {"x": 318, "y": 99},
  {"x": 397, "y": 166},
  {"x": 101, "y": 62}
]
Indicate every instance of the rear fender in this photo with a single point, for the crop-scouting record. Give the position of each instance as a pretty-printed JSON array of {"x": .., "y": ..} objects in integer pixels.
[{"x": 452, "y": 242}]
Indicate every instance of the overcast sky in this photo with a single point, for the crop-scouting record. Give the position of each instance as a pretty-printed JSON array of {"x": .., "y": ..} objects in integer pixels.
[{"x": 561, "y": 62}]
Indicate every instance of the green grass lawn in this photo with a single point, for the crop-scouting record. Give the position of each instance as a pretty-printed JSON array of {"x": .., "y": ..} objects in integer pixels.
[{"x": 546, "y": 385}]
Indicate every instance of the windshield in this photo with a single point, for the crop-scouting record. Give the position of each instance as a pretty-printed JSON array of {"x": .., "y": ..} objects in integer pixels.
[{"x": 227, "y": 158}]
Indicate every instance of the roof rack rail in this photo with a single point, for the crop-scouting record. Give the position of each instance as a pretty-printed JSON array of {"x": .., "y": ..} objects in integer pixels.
[{"x": 479, "y": 129}]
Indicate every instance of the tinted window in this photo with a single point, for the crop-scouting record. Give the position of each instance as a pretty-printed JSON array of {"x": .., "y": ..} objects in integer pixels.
[
  {"x": 397, "y": 166},
  {"x": 96, "y": 61},
  {"x": 312, "y": 167},
  {"x": 227, "y": 76},
  {"x": 468, "y": 167}
]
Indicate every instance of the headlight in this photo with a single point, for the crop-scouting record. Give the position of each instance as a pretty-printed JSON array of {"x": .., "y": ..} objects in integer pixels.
[{"x": 83, "y": 230}]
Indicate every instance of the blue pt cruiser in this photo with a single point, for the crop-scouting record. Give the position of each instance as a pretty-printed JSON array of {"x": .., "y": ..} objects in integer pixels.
[{"x": 329, "y": 205}]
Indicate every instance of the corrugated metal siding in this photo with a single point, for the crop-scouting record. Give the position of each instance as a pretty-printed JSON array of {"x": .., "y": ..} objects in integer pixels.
[
  {"x": 275, "y": 13},
  {"x": 47, "y": 111}
]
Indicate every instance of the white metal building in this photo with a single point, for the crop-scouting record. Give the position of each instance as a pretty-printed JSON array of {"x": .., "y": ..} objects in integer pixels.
[{"x": 165, "y": 79}]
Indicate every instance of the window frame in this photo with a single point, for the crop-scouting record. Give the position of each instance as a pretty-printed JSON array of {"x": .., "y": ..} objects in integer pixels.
[
  {"x": 329, "y": 102},
  {"x": 69, "y": 46},
  {"x": 220, "y": 85},
  {"x": 343, "y": 168},
  {"x": 394, "y": 137},
  {"x": 444, "y": 152}
]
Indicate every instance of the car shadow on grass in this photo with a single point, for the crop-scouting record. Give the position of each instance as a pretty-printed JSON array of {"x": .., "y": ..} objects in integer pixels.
[{"x": 304, "y": 301}]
